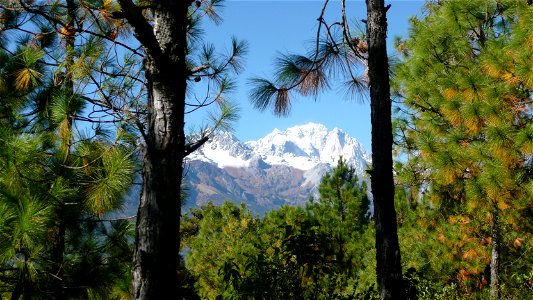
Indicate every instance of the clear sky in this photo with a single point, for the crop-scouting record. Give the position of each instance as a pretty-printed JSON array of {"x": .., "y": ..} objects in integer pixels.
[{"x": 274, "y": 27}]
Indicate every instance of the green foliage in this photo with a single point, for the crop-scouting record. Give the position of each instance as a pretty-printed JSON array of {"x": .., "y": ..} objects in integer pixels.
[
  {"x": 56, "y": 184},
  {"x": 109, "y": 180},
  {"x": 326, "y": 249},
  {"x": 463, "y": 126},
  {"x": 341, "y": 195},
  {"x": 218, "y": 236},
  {"x": 36, "y": 202},
  {"x": 322, "y": 251}
]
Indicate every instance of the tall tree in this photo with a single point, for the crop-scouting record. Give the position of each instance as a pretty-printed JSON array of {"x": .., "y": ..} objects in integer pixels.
[
  {"x": 132, "y": 64},
  {"x": 155, "y": 261},
  {"x": 389, "y": 268},
  {"x": 470, "y": 130},
  {"x": 53, "y": 199},
  {"x": 338, "y": 52},
  {"x": 164, "y": 36}
]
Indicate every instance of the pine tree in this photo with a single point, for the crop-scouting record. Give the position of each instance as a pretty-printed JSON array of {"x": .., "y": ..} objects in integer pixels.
[
  {"x": 53, "y": 200},
  {"x": 343, "y": 207},
  {"x": 140, "y": 85},
  {"x": 323, "y": 250},
  {"x": 466, "y": 89},
  {"x": 165, "y": 36},
  {"x": 342, "y": 214},
  {"x": 389, "y": 268},
  {"x": 337, "y": 53}
]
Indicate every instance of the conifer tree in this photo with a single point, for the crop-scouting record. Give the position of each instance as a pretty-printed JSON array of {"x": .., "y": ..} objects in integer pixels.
[
  {"x": 344, "y": 206},
  {"x": 310, "y": 252},
  {"x": 339, "y": 55},
  {"x": 129, "y": 65},
  {"x": 165, "y": 30},
  {"x": 466, "y": 85},
  {"x": 52, "y": 198}
]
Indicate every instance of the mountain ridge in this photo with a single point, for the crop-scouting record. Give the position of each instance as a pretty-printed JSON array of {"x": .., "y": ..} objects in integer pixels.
[
  {"x": 284, "y": 167},
  {"x": 302, "y": 147}
]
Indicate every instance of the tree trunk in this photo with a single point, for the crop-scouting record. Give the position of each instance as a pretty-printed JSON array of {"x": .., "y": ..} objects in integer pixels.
[
  {"x": 156, "y": 255},
  {"x": 388, "y": 268},
  {"x": 17, "y": 292},
  {"x": 58, "y": 250},
  {"x": 495, "y": 257},
  {"x": 58, "y": 246}
]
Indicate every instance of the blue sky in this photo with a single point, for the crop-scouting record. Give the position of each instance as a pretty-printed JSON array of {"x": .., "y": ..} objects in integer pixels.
[{"x": 274, "y": 27}]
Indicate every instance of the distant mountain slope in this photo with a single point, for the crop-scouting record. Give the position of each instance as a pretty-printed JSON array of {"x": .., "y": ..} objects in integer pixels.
[{"x": 283, "y": 167}]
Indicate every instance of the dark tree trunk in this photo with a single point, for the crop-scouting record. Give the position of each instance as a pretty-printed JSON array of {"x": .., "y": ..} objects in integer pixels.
[
  {"x": 156, "y": 255},
  {"x": 21, "y": 287},
  {"x": 388, "y": 268},
  {"x": 58, "y": 246},
  {"x": 495, "y": 257},
  {"x": 17, "y": 292},
  {"x": 58, "y": 250}
]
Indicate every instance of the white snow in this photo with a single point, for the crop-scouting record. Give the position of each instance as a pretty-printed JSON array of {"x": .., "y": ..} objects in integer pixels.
[
  {"x": 222, "y": 158},
  {"x": 302, "y": 147}
]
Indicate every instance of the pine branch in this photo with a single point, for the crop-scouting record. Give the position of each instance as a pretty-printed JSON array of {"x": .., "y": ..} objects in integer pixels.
[
  {"x": 108, "y": 220},
  {"x": 190, "y": 148},
  {"x": 114, "y": 41},
  {"x": 143, "y": 30},
  {"x": 42, "y": 14}
]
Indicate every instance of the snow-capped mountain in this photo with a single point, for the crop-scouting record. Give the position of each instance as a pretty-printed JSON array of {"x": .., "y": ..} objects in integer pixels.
[
  {"x": 284, "y": 167},
  {"x": 302, "y": 147}
]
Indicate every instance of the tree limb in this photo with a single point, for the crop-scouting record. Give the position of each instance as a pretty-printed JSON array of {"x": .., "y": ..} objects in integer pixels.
[
  {"x": 143, "y": 30},
  {"x": 190, "y": 148}
]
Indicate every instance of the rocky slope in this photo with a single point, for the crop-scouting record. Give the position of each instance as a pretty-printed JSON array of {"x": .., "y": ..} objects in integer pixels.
[{"x": 283, "y": 167}]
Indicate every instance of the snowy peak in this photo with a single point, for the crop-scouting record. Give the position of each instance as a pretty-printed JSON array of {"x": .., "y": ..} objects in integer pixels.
[
  {"x": 224, "y": 150},
  {"x": 299, "y": 141},
  {"x": 302, "y": 147},
  {"x": 306, "y": 146},
  {"x": 282, "y": 168}
]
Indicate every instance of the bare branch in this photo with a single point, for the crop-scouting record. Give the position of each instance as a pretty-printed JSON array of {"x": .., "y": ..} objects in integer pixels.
[
  {"x": 190, "y": 148},
  {"x": 143, "y": 30}
]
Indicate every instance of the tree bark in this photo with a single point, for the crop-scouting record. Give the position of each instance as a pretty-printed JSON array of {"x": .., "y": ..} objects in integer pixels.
[
  {"x": 388, "y": 268},
  {"x": 58, "y": 250},
  {"x": 156, "y": 255},
  {"x": 58, "y": 245},
  {"x": 495, "y": 257}
]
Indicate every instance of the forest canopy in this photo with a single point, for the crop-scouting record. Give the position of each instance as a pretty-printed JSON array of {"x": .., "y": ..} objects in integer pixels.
[{"x": 85, "y": 95}]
